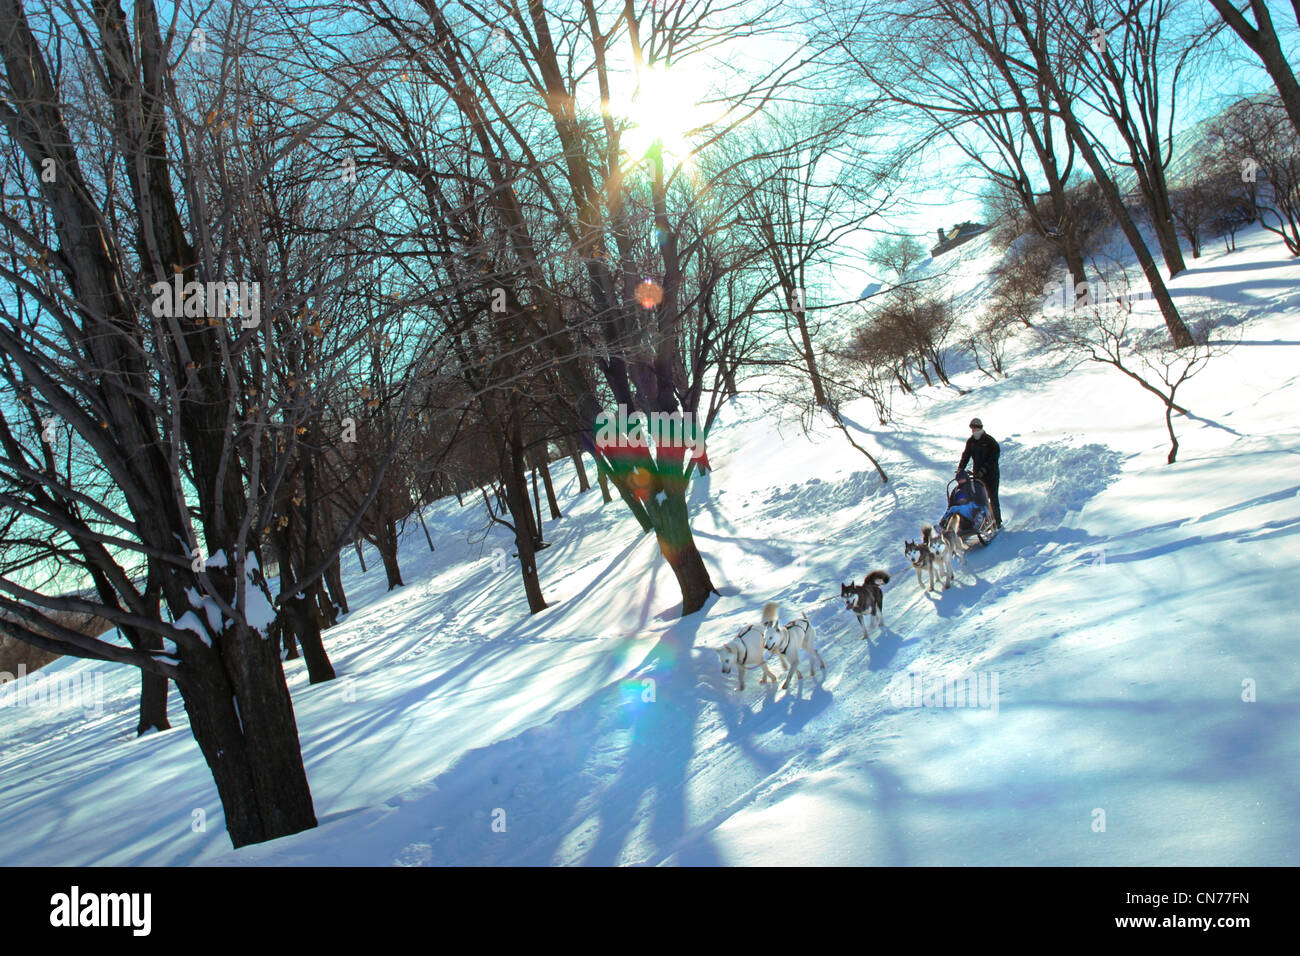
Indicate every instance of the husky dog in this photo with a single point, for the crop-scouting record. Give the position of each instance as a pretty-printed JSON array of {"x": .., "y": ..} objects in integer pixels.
[
  {"x": 935, "y": 541},
  {"x": 786, "y": 641},
  {"x": 747, "y": 650},
  {"x": 922, "y": 558},
  {"x": 866, "y": 598},
  {"x": 953, "y": 545}
]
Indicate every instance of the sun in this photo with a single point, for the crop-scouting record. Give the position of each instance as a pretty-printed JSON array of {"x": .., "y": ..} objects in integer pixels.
[{"x": 665, "y": 108}]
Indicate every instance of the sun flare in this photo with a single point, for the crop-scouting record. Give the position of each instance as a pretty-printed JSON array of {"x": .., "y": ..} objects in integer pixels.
[{"x": 666, "y": 108}]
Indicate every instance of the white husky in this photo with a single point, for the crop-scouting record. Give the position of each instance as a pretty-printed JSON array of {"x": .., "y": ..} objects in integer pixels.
[
  {"x": 747, "y": 649},
  {"x": 786, "y": 641}
]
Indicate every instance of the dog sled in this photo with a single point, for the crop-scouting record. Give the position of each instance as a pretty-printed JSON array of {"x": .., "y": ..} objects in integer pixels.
[{"x": 976, "y": 535}]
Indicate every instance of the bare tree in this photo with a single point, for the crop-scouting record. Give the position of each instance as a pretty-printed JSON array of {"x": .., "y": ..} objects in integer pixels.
[
  {"x": 138, "y": 328},
  {"x": 1014, "y": 72},
  {"x": 897, "y": 255},
  {"x": 1262, "y": 38},
  {"x": 1108, "y": 332},
  {"x": 952, "y": 70},
  {"x": 1257, "y": 142},
  {"x": 1035, "y": 24},
  {"x": 633, "y": 226},
  {"x": 1134, "y": 56}
]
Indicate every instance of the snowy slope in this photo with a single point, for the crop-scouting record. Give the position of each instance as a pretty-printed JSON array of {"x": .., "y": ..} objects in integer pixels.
[{"x": 1120, "y": 613}]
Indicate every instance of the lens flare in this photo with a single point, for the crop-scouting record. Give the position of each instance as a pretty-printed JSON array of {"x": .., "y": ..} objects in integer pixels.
[
  {"x": 649, "y": 294},
  {"x": 665, "y": 110}
]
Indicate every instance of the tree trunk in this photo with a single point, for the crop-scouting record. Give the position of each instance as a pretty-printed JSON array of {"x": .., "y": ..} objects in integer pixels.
[
  {"x": 1073, "y": 254},
  {"x": 575, "y": 453},
  {"x": 677, "y": 545},
  {"x": 1162, "y": 216},
  {"x": 241, "y": 716},
  {"x": 1173, "y": 439},
  {"x": 306, "y": 627},
  {"x": 153, "y": 687},
  {"x": 1068, "y": 238},
  {"x": 537, "y": 506},
  {"x": 153, "y": 692},
  {"x": 550, "y": 488},
  {"x": 810, "y": 360},
  {"x": 300, "y": 617},
  {"x": 334, "y": 584},
  {"x": 419, "y": 510},
  {"x": 360, "y": 557},
  {"x": 326, "y": 608},
  {"x": 516, "y": 490},
  {"x": 386, "y": 542},
  {"x": 603, "y": 481},
  {"x": 1167, "y": 233}
]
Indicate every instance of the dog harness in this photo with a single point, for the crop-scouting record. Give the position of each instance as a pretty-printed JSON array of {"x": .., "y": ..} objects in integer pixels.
[
  {"x": 744, "y": 651},
  {"x": 786, "y": 642}
]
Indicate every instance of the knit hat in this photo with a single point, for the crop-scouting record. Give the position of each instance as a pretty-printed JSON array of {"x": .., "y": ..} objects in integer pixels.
[{"x": 976, "y": 423}]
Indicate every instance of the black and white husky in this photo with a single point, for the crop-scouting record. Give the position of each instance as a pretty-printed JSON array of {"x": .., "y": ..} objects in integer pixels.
[
  {"x": 936, "y": 541},
  {"x": 923, "y": 557},
  {"x": 749, "y": 648},
  {"x": 785, "y": 643},
  {"x": 866, "y": 599}
]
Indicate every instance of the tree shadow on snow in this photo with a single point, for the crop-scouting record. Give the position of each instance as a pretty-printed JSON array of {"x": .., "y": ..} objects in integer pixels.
[
  {"x": 579, "y": 787},
  {"x": 658, "y": 759}
]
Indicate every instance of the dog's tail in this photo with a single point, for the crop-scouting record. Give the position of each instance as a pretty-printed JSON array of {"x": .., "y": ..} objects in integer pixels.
[
  {"x": 877, "y": 577},
  {"x": 927, "y": 533},
  {"x": 770, "y": 610}
]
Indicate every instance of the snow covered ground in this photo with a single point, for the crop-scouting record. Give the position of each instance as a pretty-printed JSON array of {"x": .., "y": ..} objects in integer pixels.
[{"x": 1132, "y": 630}]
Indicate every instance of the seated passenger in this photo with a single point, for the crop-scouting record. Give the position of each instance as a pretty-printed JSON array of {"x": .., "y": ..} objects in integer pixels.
[{"x": 967, "y": 501}]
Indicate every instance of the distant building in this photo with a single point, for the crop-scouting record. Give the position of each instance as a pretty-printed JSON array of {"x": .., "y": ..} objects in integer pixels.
[{"x": 955, "y": 236}]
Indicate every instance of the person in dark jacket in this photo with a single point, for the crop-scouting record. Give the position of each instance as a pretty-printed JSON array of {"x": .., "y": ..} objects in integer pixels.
[{"x": 982, "y": 453}]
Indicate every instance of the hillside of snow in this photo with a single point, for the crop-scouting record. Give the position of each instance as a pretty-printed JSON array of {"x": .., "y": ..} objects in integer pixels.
[{"x": 1133, "y": 629}]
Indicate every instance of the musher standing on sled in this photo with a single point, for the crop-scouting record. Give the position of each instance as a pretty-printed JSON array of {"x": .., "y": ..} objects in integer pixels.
[{"x": 982, "y": 453}]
